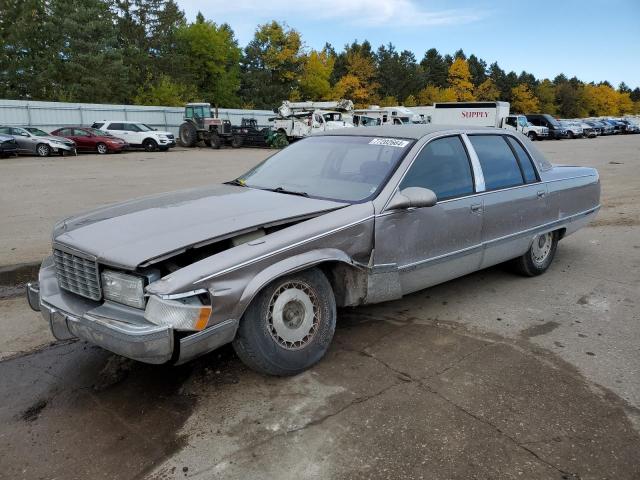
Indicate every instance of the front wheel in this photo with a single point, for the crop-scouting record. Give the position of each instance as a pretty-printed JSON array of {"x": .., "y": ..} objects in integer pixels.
[
  {"x": 43, "y": 150},
  {"x": 539, "y": 256},
  {"x": 532, "y": 136},
  {"x": 102, "y": 148},
  {"x": 289, "y": 325},
  {"x": 150, "y": 145}
]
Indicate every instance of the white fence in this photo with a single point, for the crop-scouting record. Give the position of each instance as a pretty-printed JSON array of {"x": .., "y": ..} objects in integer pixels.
[{"x": 52, "y": 115}]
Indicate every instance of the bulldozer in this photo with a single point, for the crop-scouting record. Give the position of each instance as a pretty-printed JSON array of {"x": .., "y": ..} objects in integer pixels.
[{"x": 201, "y": 124}]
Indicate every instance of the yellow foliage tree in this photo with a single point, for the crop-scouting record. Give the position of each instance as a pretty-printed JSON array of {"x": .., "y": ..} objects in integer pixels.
[
  {"x": 460, "y": 80},
  {"x": 487, "y": 91},
  {"x": 430, "y": 94},
  {"x": 546, "y": 94},
  {"x": 410, "y": 101},
  {"x": 523, "y": 100},
  {"x": 316, "y": 71},
  {"x": 389, "y": 101},
  {"x": 358, "y": 83},
  {"x": 601, "y": 100}
]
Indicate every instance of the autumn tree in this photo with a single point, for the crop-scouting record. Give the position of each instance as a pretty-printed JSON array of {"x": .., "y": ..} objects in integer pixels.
[
  {"x": 316, "y": 72},
  {"x": 272, "y": 65},
  {"x": 431, "y": 94},
  {"x": 546, "y": 93},
  {"x": 460, "y": 80},
  {"x": 523, "y": 100},
  {"x": 487, "y": 90},
  {"x": 358, "y": 84}
]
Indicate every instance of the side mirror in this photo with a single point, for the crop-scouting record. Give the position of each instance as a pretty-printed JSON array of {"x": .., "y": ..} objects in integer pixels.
[{"x": 413, "y": 197}]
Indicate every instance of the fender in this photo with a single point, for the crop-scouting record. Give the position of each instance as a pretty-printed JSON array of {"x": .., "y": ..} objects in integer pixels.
[{"x": 287, "y": 266}]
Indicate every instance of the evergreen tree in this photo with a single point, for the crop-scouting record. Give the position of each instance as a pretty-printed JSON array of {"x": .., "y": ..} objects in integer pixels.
[{"x": 435, "y": 68}]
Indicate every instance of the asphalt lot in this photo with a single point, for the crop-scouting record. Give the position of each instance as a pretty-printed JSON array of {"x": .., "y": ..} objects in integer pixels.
[{"x": 488, "y": 376}]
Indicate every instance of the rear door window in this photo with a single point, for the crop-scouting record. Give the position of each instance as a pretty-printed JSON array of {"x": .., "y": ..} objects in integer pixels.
[
  {"x": 499, "y": 165},
  {"x": 528, "y": 170},
  {"x": 442, "y": 166},
  {"x": 115, "y": 126}
]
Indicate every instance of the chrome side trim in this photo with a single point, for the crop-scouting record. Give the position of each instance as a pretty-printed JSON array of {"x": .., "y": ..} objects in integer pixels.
[
  {"x": 174, "y": 296},
  {"x": 283, "y": 249},
  {"x": 482, "y": 245}
]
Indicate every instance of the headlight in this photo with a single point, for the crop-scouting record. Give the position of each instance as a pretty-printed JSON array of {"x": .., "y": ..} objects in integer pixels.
[
  {"x": 183, "y": 314},
  {"x": 123, "y": 288}
]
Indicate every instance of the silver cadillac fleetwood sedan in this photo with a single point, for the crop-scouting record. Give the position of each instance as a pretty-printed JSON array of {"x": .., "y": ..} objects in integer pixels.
[{"x": 346, "y": 218}]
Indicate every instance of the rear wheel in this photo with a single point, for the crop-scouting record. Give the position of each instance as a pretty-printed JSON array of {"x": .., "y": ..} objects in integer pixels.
[
  {"x": 102, "y": 148},
  {"x": 188, "y": 134},
  {"x": 539, "y": 256},
  {"x": 236, "y": 141},
  {"x": 43, "y": 150},
  {"x": 150, "y": 145},
  {"x": 289, "y": 325}
]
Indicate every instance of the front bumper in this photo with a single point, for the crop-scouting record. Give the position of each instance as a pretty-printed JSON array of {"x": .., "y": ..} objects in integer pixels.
[
  {"x": 119, "y": 329},
  {"x": 62, "y": 148}
]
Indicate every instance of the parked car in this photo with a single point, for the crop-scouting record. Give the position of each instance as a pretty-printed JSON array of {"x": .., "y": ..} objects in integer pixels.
[
  {"x": 616, "y": 127},
  {"x": 572, "y": 129},
  {"x": 545, "y": 120},
  {"x": 587, "y": 130},
  {"x": 138, "y": 134},
  {"x": 264, "y": 260},
  {"x": 630, "y": 126},
  {"x": 8, "y": 146},
  {"x": 597, "y": 127},
  {"x": 607, "y": 129},
  {"x": 33, "y": 141},
  {"x": 92, "y": 140}
]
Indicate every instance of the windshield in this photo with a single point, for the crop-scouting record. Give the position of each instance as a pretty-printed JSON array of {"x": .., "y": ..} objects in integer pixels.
[
  {"x": 332, "y": 117},
  {"x": 342, "y": 168},
  {"x": 37, "y": 132}
]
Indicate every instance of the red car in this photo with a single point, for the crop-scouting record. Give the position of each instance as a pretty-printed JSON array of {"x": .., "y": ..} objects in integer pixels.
[{"x": 92, "y": 140}]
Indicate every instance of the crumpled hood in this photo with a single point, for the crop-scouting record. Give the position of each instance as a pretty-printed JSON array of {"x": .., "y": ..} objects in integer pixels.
[{"x": 133, "y": 232}]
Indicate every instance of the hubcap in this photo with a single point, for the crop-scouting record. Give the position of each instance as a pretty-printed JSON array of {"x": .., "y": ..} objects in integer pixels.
[
  {"x": 541, "y": 248},
  {"x": 42, "y": 150},
  {"x": 102, "y": 148},
  {"x": 293, "y": 315}
]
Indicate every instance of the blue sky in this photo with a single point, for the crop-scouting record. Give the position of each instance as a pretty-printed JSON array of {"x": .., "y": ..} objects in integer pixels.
[{"x": 592, "y": 39}]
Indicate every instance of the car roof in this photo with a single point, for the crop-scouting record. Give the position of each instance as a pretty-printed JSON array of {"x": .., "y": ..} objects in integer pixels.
[
  {"x": 116, "y": 121},
  {"x": 415, "y": 131}
]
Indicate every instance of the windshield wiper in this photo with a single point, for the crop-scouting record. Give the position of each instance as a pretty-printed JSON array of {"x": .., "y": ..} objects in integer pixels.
[
  {"x": 288, "y": 192},
  {"x": 237, "y": 182}
]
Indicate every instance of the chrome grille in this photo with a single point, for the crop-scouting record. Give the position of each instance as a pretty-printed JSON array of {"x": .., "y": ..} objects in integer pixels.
[{"x": 78, "y": 275}]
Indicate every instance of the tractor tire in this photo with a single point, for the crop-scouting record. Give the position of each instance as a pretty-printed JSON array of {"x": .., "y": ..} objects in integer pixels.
[
  {"x": 236, "y": 141},
  {"x": 188, "y": 135},
  {"x": 215, "y": 140}
]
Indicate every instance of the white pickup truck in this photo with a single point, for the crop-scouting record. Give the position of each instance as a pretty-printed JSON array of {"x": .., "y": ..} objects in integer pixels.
[{"x": 481, "y": 114}]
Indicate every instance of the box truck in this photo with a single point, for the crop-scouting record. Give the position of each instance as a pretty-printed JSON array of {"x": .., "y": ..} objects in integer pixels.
[{"x": 481, "y": 114}]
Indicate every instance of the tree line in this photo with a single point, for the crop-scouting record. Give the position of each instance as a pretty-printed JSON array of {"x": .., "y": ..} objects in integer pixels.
[{"x": 146, "y": 52}]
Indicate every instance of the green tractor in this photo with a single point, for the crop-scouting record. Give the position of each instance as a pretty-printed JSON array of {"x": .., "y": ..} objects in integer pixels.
[{"x": 201, "y": 125}]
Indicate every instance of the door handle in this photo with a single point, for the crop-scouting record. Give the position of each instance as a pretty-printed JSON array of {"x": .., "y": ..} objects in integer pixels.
[
  {"x": 541, "y": 193},
  {"x": 477, "y": 207}
]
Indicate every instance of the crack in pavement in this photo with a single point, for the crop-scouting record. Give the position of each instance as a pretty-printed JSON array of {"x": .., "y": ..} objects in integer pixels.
[
  {"x": 566, "y": 474},
  {"x": 311, "y": 423}
]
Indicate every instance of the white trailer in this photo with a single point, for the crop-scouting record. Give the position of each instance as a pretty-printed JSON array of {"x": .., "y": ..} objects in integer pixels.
[
  {"x": 481, "y": 114},
  {"x": 375, "y": 115}
]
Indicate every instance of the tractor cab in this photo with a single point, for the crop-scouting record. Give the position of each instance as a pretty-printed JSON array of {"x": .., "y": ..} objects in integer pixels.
[{"x": 197, "y": 112}]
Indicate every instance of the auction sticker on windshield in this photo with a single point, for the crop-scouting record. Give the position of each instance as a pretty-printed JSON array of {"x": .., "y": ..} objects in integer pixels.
[{"x": 389, "y": 142}]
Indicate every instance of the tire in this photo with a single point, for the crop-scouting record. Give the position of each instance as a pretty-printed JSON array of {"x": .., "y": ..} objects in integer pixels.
[
  {"x": 150, "y": 145},
  {"x": 102, "y": 149},
  {"x": 539, "y": 256},
  {"x": 236, "y": 141},
  {"x": 289, "y": 325},
  {"x": 188, "y": 134},
  {"x": 43, "y": 150},
  {"x": 215, "y": 141},
  {"x": 532, "y": 136},
  {"x": 570, "y": 135}
]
